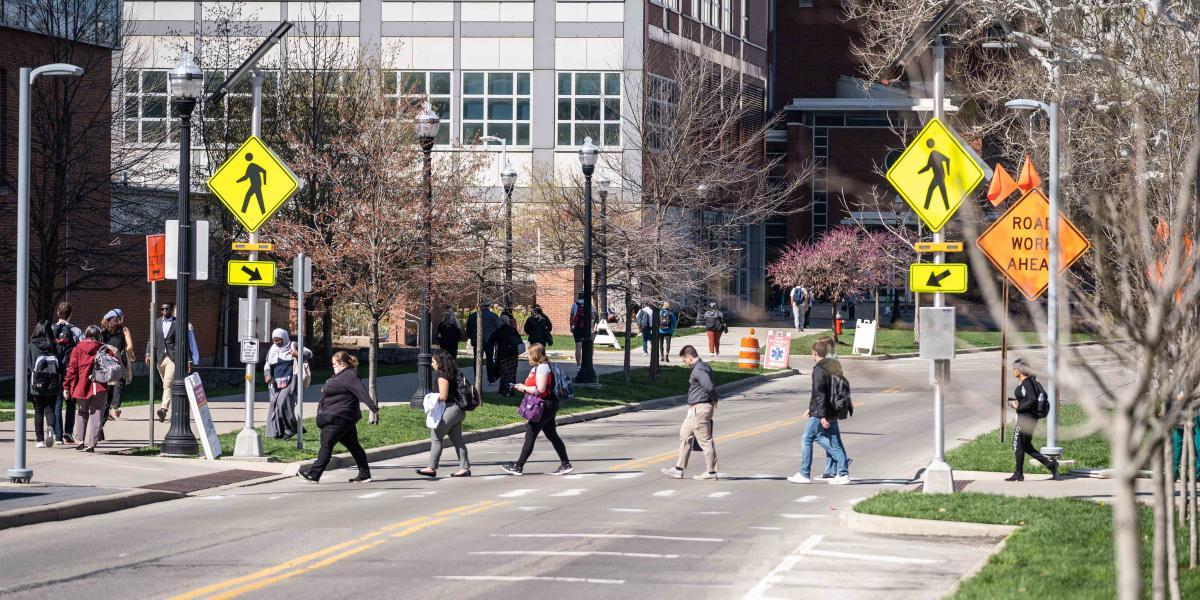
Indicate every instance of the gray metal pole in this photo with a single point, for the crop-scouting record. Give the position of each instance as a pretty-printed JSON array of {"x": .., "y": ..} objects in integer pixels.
[
  {"x": 1052, "y": 448},
  {"x": 20, "y": 473},
  {"x": 248, "y": 441},
  {"x": 298, "y": 372},
  {"x": 152, "y": 352}
]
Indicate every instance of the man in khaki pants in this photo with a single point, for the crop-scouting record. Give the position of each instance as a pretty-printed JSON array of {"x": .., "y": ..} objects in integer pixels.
[
  {"x": 165, "y": 337},
  {"x": 697, "y": 426}
]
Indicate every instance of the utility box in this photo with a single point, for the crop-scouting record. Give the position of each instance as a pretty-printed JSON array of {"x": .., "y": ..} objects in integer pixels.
[{"x": 937, "y": 333}]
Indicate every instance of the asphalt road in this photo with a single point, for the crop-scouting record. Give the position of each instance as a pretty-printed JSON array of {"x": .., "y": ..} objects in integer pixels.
[{"x": 614, "y": 528}]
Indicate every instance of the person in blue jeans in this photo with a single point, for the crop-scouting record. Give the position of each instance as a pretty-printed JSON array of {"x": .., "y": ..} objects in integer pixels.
[{"x": 821, "y": 426}]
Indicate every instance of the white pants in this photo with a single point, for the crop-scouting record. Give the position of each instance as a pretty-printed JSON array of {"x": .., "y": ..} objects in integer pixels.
[{"x": 797, "y": 314}]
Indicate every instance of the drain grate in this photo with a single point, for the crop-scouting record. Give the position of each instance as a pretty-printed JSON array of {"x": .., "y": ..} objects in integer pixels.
[
  {"x": 188, "y": 485},
  {"x": 960, "y": 485}
]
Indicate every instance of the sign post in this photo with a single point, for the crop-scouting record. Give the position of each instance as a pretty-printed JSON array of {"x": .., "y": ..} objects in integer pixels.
[
  {"x": 156, "y": 271},
  {"x": 301, "y": 284}
]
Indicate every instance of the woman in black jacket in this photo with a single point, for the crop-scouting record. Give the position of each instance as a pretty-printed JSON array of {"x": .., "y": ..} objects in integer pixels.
[
  {"x": 1026, "y": 405},
  {"x": 538, "y": 328},
  {"x": 506, "y": 348},
  {"x": 449, "y": 333},
  {"x": 45, "y": 382},
  {"x": 338, "y": 415}
]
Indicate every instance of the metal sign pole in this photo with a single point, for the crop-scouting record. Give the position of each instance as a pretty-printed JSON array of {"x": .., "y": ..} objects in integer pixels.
[
  {"x": 1052, "y": 448},
  {"x": 299, "y": 277},
  {"x": 153, "y": 354},
  {"x": 1004, "y": 365},
  {"x": 248, "y": 441}
]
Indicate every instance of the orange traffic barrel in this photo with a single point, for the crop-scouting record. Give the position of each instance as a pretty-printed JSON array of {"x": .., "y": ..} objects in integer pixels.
[{"x": 748, "y": 354}]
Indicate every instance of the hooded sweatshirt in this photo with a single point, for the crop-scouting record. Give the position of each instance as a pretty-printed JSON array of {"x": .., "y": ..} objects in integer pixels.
[
  {"x": 820, "y": 405},
  {"x": 78, "y": 383}
]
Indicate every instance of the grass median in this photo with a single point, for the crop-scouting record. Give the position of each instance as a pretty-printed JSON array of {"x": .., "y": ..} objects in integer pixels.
[
  {"x": 900, "y": 341},
  {"x": 1064, "y": 548},
  {"x": 989, "y": 453},
  {"x": 399, "y": 424}
]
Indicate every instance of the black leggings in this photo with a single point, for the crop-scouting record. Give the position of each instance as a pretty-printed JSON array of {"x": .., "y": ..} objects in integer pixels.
[
  {"x": 345, "y": 432},
  {"x": 548, "y": 426},
  {"x": 1023, "y": 444},
  {"x": 43, "y": 409}
]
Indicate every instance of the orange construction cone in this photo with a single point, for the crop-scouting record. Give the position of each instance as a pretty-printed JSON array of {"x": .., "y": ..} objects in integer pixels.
[{"x": 748, "y": 354}]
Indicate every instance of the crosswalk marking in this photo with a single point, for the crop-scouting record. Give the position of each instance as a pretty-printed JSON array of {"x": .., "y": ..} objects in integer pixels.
[
  {"x": 665, "y": 493},
  {"x": 516, "y": 578},
  {"x": 627, "y": 475},
  {"x": 806, "y": 499},
  {"x": 530, "y": 508},
  {"x": 370, "y": 495},
  {"x": 628, "y": 510},
  {"x": 611, "y": 536},
  {"x": 517, "y": 493},
  {"x": 714, "y": 512},
  {"x": 573, "y": 553},
  {"x": 570, "y": 492},
  {"x": 768, "y": 528},
  {"x": 796, "y": 516},
  {"x": 718, "y": 494},
  {"x": 578, "y": 475}
]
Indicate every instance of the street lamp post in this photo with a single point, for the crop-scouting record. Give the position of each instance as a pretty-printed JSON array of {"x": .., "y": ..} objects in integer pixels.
[
  {"x": 186, "y": 83},
  {"x": 588, "y": 155},
  {"x": 426, "y": 125},
  {"x": 20, "y": 473},
  {"x": 1052, "y": 448},
  {"x": 603, "y": 183},
  {"x": 508, "y": 177}
]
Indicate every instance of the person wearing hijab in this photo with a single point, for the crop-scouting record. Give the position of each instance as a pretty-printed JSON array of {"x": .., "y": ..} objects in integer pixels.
[
  {"x": 280, "y": 372},
  {"x": 449, "y": 333}
]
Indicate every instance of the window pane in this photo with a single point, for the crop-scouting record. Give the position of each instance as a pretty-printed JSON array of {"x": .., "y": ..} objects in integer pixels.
[
  {"x": 522, "y": 110},
  {"x": 154, "y": 107},
  {"x": 583, "y": 130},
  {"x": 472, "y": 132},
  {"x": 153, "y": 131},
  {"x": 271, "y": 82},
  {"x": 442, "y": 107},
  {"x": 390, "y": 82},
  {"x": 587, "y": 109},
  {"x": 587, "y": 84},
  {"x": 612, "y": 109},
  {"x": 523, "y": 84},
  {"x": 473, "y": 109},
  {"x": 564, "y": 134},
  {"x": 500, "y": 130},
  {"x": 439, "y": 83},
  {"x": 564, "y": 109},
  {"x": 564, "y": 84},
  {"x": 443, "y": 136},
  {"x": 154, "y": 82},
  {"x": 412, "y": 83},
  {"x": 612, "y": 135},
  {"x": 500, "y": 84},
  {"x": 131, "y": 131},
  {"x": 472, "y": 83},
  {"x": 612, "y": 84},
  {"x": 131, "y": 81},
  {"x": 501, "y": 110},
  {"x": 131, "y": 107},
  {"x": 522, "y": 134}
]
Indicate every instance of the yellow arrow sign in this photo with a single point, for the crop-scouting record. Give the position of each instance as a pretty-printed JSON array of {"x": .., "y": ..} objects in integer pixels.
[
  {"x": 934, "y": 174},
  {"x": 250, "y": 272},
  {"x": 253, "y": 183},
  {"x": 931, "y": 278}
]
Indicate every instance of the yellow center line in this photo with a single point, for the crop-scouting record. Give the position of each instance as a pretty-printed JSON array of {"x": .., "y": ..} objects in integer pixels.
[
  {"x": 645, "y": 462},
  {"x": 271, "y": 575}
]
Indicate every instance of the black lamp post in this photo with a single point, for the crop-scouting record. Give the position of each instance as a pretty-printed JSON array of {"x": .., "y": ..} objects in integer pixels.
[
  {"x": 508, "y": 177},
  {"x": 603, "y": 183},
  {"x": 587, "y": 159},
  {"x": 186, "y": 82},
  {"x": 426, "y": 125}
]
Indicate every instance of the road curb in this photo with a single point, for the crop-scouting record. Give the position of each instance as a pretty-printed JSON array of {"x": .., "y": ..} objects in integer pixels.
[
  {"x": 84, "y": 507},
  {"x": 344, "y": 459},
  {"x": 979, "y": 350},
  {"x": 878, "y": 524}
]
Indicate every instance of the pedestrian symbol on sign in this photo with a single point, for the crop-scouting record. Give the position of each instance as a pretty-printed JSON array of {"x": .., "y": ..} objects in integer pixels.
[
  {"x": 253, "y": 176},
  {"x": 258, "y": 177},
  {"x": 939, "y": 164}
]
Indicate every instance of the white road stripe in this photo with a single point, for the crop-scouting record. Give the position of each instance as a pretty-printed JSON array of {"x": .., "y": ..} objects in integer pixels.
[
  {"x": 628, "y": 510},
  {"x": 572, "y": 553},
  {"x": 370, "y": 495},
  {"x": 274, "y": 497},
  {"x": 531, "y": 578},
  {"x": 609, "y": 536},
  {"x": 578, "y": 475},
  {"x": 627, "y": 475},
  {"x": 665, "y": 493},
  {"x": 490, "y": 477},
  {"x": 872, "y": 557},
  {"x": 212, "y": 497},
  {"x": 762, "y": 476},
  {"x": 530, "y": 508},
  {"x": 718, "y": 494},
  {"x": 795, "y": 516},
  {"x": 517, "y": 493},
  {"x": 570, "y": 492},
  {"x": 714, "y": 512},
  {"x": 768, "y": 528},
  {"x": 758, "y": 592},
  {"x": 806, "y": 499}
]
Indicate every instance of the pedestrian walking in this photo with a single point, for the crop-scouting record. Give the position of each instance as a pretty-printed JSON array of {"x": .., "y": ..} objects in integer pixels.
[
  {"x": 165, "y": 340},
  {"x": 1031, "y": 404},
  {"x": 449, "y": 333},
  {"x": 714, "y": 326},
  {"x": 65, "y": 337},
  {"x": 667, "y": 321},
  {"x": 338, "y": 415},
  {"x": 490, "y": 323},
  {"x": 809, "y": 298},
  {"x": 831, "y": 464},
  {"x": 45, "y": 383},
  {"x": 115, "y": 335},
  {"x": 697, "y": 426},
  {"x": 822, "y": 425},
  {"x": 506, "y": 347},
  {"x": 283, "y": 384},
  {"x": 90, "y": 396},
  {"x": 645, "y": 322},
  {"x": 538, "y": 327},
  {"x": 452, "y": 417},
  {"x": 796, "y": 296},
  {"x": 539, "y": 388},
  {"x": 581, "y": 326}
]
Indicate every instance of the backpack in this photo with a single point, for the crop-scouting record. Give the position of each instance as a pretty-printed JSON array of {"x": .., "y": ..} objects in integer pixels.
[
  {"x": 64, "y": 342},
  {"x": 839, "y": 397},
  {"x": 664, "y": 319},
  {"x": 643, "y": 320},
  {"x": 796, "y": 295},
  {"x": 43, "y": 381},
  {"x": 107, "y": 368},
  {"x": 468, "y": 396},
  {"x": 578, "y": 321},
  {"x": 1043, "y": 401},
  {"x": 564, "y": 388}
]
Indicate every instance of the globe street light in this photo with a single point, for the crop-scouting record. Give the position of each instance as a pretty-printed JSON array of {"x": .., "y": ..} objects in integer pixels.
[
  {"x": 20, "y": 473},
  {"x": 185, "y": 83},
  {"x": 508, "y": 178},
  {"x": 588, "y": 155},
  {"x": 603, "y": 183},
  {"x": 426, "y": 126}
]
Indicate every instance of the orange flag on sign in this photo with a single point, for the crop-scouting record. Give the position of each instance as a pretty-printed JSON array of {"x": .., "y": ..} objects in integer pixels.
[
  {"x": 1029, "y": 178},
  {"x": 1002, "y": 186}
]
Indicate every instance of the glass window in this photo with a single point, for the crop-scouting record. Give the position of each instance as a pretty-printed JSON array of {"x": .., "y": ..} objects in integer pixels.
[
  {"x": 589, "y": 105},
  {"x": 496, "y": 103},
  {"x": 661, "y": 99},
  {"x": 416, "y": 87},
  {"x": 147, "y": 107}
]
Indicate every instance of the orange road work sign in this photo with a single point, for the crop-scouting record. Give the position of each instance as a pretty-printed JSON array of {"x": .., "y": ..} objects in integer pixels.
[
  {"x": 156, "y": 257},
  {"x": 1018, "y": 244}
]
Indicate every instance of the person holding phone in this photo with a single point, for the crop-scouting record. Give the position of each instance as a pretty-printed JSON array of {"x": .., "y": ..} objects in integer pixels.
[{"x": 338, "y": 415}]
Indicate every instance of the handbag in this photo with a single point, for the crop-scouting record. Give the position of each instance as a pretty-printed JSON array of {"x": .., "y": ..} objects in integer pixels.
[{"x": 532, "y": 407}]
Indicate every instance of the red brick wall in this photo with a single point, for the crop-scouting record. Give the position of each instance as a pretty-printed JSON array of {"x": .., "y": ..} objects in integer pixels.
[
  {"x": 812, "y": 50},
  {"x": 556, "y": 292}
]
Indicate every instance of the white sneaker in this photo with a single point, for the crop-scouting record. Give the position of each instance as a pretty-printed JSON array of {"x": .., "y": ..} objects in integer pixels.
[
  {"x": 40, "y": 445},
  {"x": 673, "y": 472},
  {"x": 798, "y": 478},
  {"x": 840, "y": 480},
  {"x": 705, "y": 476}
]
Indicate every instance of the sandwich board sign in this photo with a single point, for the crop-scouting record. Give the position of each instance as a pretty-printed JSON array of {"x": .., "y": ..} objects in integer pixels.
[{"x": 202, "y": 417}]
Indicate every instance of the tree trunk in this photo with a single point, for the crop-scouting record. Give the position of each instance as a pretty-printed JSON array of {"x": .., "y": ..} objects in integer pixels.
[
  {"x": 478, "y": 345},
  {"x": 1126, "y": 526},
  {"x": 1169, "y": 515},
  {"x": 223, "y": 330},
  {"x": 654, "y": 348},
  {"x": 833, "y": 313},
  {"x": 373, "y": 357},
  {"x": 916, "y": 317},
  {"x": 629, "y": 314},
  {"x": 1158, "y": 581},
  {"x": 1189, "y": 432},
  {"x": 877, "y": 308}
]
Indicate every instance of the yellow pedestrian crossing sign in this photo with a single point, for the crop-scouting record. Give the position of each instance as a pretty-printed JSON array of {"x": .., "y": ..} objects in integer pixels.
[
  {"x": 253, "y": 183},
  {"x": 932, "y": 278},
  {"x": 935, "y": 173},
  {"x": 259, "y": 273}
]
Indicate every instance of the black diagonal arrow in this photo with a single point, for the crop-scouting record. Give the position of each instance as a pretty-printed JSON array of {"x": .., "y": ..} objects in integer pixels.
[
  {"x": 255, "y": 275},
  {"x": 934, "y": 280}
]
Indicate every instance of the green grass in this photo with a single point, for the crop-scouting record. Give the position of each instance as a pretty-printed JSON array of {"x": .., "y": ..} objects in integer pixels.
[
  {"x": 566, "y": 343},
  {"x": 402, "y": 424},
  {"x": 989, "y": 453},
  {"x": 900, "y": 341},
  {"x": 1063, "y": 550}
]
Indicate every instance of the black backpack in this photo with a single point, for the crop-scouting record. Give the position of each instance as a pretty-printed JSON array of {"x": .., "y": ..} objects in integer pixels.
[
  {"x": 468, "y": 397},
  {"x": 1042, "y": 407},
  {"x": 664, "y": 319},
  {"x": 44, "y": 377},
  {"x": 839, "y": 397},
  {"x": 64, "y": 342}
]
